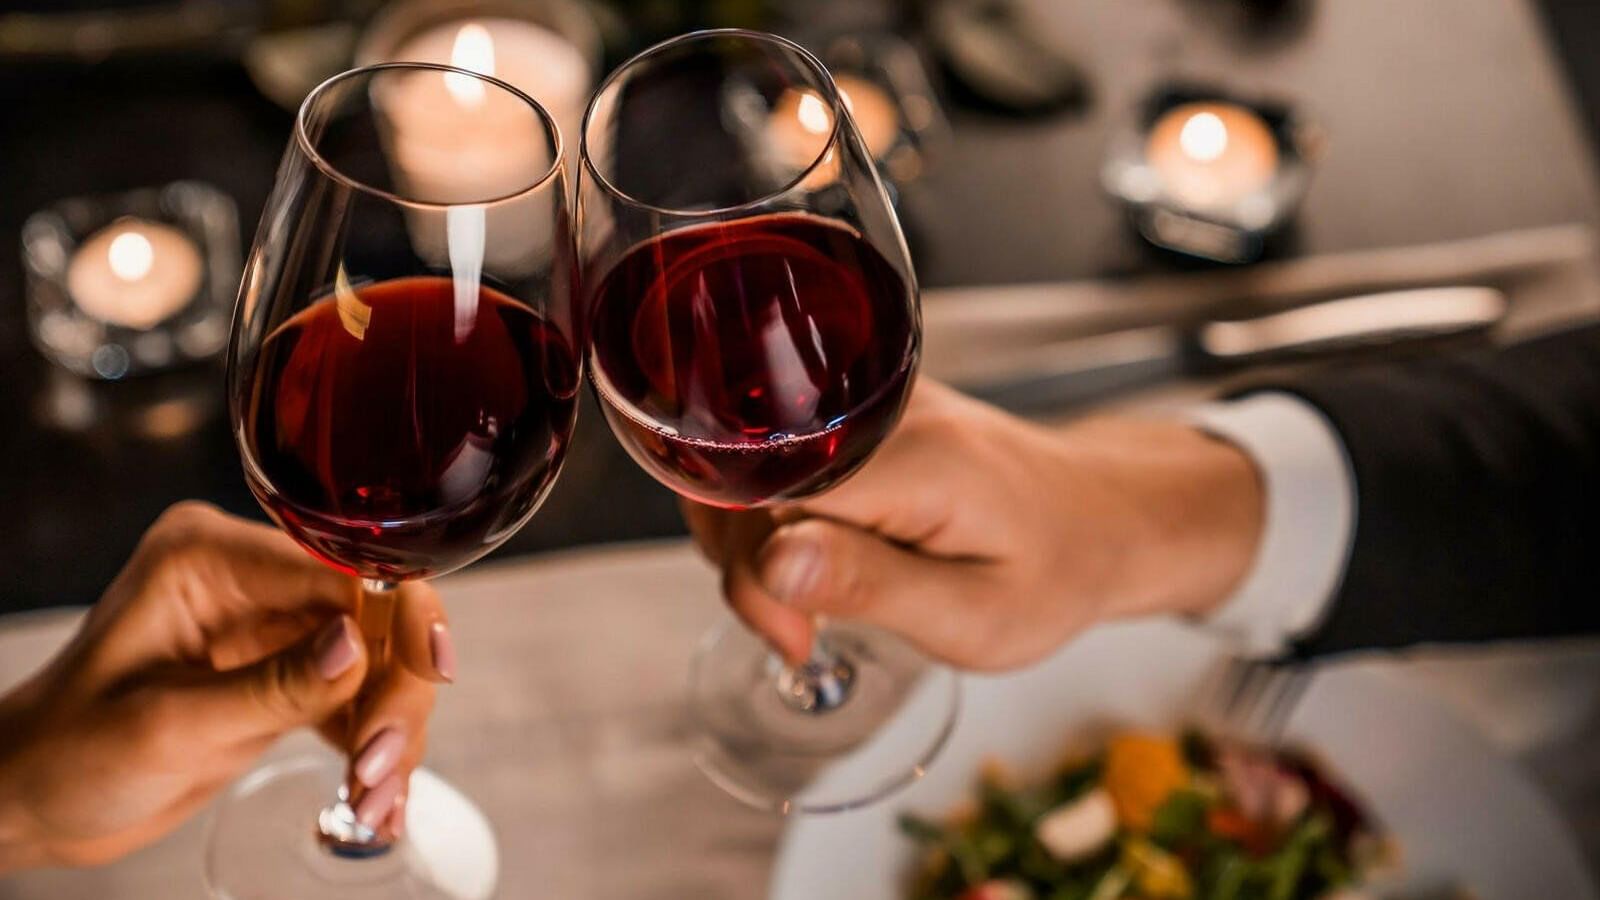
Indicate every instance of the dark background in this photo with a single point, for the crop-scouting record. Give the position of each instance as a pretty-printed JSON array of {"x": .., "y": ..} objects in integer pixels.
[{"x": 1015, "y": 199}]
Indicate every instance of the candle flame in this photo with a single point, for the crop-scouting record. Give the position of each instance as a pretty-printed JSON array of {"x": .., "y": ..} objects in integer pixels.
[
  {"x": 474, "y": 51},
  {"x": 1204, "y": 137},
  {"x": 131, "y": 256},
  {"x": 813, "y": 114}
]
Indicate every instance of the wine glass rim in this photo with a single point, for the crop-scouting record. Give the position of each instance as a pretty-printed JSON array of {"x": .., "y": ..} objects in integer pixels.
[
  {"x": 829, "y": 88},
  {"x": 303, "y": 139}
]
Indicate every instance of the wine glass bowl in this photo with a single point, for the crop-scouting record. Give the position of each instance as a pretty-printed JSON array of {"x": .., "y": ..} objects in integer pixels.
[
  {"x": 753, "y": 333},
  {"x": 405, "y": 391},
  {"x": 724, "y": 376},
  {"x": 754, "y": 313},
  {"x": 392, "y": 449}
]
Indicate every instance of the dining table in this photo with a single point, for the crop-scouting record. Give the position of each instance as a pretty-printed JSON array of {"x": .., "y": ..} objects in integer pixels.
[{"x": 567, "y": 725}]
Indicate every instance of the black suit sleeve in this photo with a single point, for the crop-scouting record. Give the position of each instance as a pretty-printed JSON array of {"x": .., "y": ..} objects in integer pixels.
[{"x": 1478, "y": 495}]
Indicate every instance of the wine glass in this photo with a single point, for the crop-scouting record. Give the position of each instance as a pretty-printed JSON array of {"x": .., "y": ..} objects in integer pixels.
[
  {"x": 753, "y": 333},
  {"x": 403, "y": 375}
]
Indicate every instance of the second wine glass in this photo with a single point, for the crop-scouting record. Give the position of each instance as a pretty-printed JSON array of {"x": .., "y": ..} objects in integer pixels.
[{"x": 754, "y": 334}]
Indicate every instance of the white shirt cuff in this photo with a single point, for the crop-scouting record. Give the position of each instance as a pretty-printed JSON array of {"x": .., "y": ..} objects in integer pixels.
[{"x": 1309, "y": 527}]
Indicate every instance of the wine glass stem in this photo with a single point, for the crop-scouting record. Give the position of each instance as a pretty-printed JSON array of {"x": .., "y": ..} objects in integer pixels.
[
  {"x": 820, "y": 684},
  {"x": 340, "y": 831}
]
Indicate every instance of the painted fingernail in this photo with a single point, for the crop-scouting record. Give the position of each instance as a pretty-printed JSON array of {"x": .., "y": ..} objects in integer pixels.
[
  {"x": 397, "y": 818},
  {"x": 791, "y": 568},
  {"x": 376, "y": 804},
  {"x": 336, "y": 648},
  {"x": 378, "y": 758},
  {"x": 444, "y": 651}
]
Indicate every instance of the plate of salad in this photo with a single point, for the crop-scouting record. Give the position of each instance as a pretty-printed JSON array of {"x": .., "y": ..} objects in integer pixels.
[
  {"x": 1151, "y": 815},
  {"x": 1079, "y": 780}
]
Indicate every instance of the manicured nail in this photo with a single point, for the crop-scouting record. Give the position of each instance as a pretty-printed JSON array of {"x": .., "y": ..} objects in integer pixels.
[
  {"x": 444, "y": 651},
  {"x": 336, "y": 648},
  {"x": 376, "y": 804},
  {"x": 397, "y": 818},
  {"x": 378, "y": 758},
  {"x": 791, "y": 568}
]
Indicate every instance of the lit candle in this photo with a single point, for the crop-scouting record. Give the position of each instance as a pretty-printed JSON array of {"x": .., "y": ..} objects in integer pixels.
[
  {"x": 134, "y": 273},
  {"x": 801, "y": 121},
  {"x": 455, "y": 139},
  {"x": 1210, "y": 155},
  {"x": 873, "y": 111},
  {"x": 538, "y": 61}
]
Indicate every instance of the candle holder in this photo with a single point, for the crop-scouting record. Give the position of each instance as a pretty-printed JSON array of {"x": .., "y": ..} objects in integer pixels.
[
  {"x": 906, "y": 146},
  {"x": 132, "y": 283},
  {"x": 1211, "y": 174}
]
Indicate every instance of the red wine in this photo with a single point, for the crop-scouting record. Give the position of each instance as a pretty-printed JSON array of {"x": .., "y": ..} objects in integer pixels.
[
  {"x": 755, "y": 360},
  {"x": 398, "y": 433}
]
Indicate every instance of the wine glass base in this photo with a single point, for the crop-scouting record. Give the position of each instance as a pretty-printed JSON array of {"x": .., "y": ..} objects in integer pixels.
[
  {"x": 770, "y": 753},
  {"x": 263, "y": 842}
]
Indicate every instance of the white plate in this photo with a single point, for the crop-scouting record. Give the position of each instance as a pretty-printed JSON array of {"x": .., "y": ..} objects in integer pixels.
[{"x": 1462, "y": 814}]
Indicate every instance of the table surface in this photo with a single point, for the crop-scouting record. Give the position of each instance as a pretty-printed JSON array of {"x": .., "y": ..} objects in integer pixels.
[
  {"x": 567, "y": 725},
  {"x": 1446, "y": 119}
]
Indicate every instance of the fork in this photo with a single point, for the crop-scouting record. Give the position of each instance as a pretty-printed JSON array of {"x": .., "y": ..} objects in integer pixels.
[{"x": 1252, "y": 700}]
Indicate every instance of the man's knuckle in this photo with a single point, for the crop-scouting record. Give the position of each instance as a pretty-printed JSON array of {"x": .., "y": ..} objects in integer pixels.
[{"x": 187, "y": 515}]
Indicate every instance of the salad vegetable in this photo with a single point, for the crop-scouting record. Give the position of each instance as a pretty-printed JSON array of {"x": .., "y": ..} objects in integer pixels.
[{"x": 1151, "y": 817}]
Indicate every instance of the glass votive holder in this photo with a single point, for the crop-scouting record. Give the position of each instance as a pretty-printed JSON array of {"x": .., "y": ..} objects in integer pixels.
[
  {"x": 892, "y": 101},
  {"x": 132, "y": 283},
  {"x": 1210, "y": 174}
]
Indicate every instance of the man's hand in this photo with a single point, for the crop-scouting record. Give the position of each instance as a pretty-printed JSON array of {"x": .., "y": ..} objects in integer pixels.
[{"x": 989, "y": 541}]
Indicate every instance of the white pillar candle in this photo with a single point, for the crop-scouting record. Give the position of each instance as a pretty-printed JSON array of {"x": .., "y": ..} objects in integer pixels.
[
  {"x": 1211, "y": 155},
  {"x": 538, "y": 61},
  {"x": 134, "y": 273},
  {"x": 455, "y": 139}
]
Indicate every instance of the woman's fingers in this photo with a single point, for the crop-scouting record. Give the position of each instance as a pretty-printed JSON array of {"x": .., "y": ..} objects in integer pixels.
[
  {"x": 236, "y": 568},
  {"x": 387, "y": 743},
  {"x": 205, "y": 586},
  {"x": 299, "y": 686},
  {"x": 423, "y": 642}
]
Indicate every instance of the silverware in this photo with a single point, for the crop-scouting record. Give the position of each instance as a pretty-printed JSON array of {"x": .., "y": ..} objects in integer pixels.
[
  {"x": 1252, "y": 700},
  {"x": 1073, "y": 372}
]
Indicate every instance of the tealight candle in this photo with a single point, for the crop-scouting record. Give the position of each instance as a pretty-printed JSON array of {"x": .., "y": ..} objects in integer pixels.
[
  {"x": 134, "y": 273},
  {"x": 1210, "y": 155},
  {"x": 801, "y": 121}
]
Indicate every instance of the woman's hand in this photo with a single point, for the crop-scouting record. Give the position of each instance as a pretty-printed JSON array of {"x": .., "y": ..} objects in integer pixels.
[
  {"x": 217, "y": 637},
  {"x": 989, "y": 541}
]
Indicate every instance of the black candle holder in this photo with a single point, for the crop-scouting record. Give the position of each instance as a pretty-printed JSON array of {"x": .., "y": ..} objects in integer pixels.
[{"x": 1232, "y": 228}]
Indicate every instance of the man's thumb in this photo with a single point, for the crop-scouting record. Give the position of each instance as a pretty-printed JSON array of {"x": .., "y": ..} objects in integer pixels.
[{"x": 818, "y": 567}]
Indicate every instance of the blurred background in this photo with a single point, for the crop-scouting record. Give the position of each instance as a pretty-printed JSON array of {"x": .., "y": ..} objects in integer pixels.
[
  {"x": 1022, "y": 141},
  {"x": 1110, "y": 203}
]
